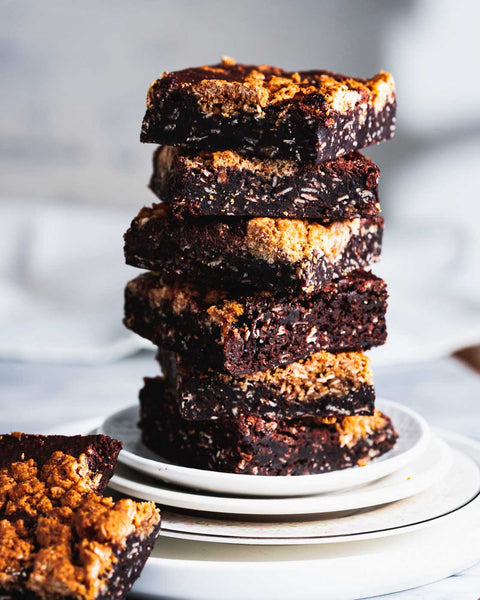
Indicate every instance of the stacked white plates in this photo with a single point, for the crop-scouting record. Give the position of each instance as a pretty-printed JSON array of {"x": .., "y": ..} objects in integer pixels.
[{"x": 405, "y": 519}]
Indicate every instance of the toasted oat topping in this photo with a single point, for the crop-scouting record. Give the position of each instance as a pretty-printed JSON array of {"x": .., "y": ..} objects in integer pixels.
[
  {"x": 295, "y": 240},
  {"x": 229, "y": 88},
  {"x": 320, "y": 373},
  {"x": 353, "y": 429},
  {"x": 229, "y": 159}
]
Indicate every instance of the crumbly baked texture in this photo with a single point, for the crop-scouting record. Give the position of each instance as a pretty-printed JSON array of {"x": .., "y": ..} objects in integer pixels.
[
  {"x": 265, "y": 111},
  {"x": 240, "y": 333},
  {"x": 225, "y": 183},
  {"x": 253, "y": 445},
  {"x": 321, "y": 385},
  {"x": 100, "y": 451},
  {"x": 294, "y": 254},
  {"x": 58, "y": 537}
]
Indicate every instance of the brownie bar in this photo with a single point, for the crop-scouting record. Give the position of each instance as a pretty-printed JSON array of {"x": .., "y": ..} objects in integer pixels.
[
  {"x": 322, "y": 385},
  {"x": 291, "y": 254},
  {"x": 253, "y": 445},
  {"x": 100, "y": 451},
  {"x": 310, "y": 116},
  {"x": 58, "y": 537},
  {"x": 242, "y": 334},
  {"x": 228, "y": 184}
]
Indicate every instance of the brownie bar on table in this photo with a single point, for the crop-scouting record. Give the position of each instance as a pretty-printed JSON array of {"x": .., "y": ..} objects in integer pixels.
[
  {"x": 321, "y": 385},
  {"x": 310, "y": 116},
  {"x": 239, "y": 334},
  {"x": 58, "y": 537},
  {"x": 100, "y": 451},
  {"x": 253, "y": 445},
  {"x": 293, "y": 254},
  {"x": 226, "y": 183}
]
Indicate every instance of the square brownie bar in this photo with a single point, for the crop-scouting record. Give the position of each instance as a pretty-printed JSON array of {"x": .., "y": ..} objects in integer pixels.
[
  {"x": 241, "y": 334},
  {"x": 321, "y": 385},
  {"x": 291, "y": 254},
  {"x": 310, "y": 116},
  {"x": 58, "y": 537},
  {"x": 226, "y": 184},
  {"x": 253, "y": 445}
]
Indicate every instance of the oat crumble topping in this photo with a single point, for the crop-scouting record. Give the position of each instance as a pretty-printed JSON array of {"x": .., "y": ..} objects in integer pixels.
[
  {"x": 229, "y": 88},
  {"x": 320, "y": 373},
  {"x": 295, "y": 240},
  {"x": 58, "y": 533}
]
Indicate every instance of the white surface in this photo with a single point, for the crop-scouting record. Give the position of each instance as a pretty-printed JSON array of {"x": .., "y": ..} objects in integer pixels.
[
  {"x": 413, "y": 437},
  {"x": 415, "y": 477},
  {"x": 340, "y": 571}
]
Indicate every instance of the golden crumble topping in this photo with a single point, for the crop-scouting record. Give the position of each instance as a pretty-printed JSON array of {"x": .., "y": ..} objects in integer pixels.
[
  {"x": 269, "y": 167},
  {"x": 229, "y": 88},
  {"x": 223, "y": 159},
  {"x": 227, "y": 312},
  {"x": 295, "y": 239},
  {"x": 320, "y": 373},
  {"x": 26, "y": 489},
  {"x": 59, "y": 537},
  {"x": 353, "y": 429},
  {"x": 16, "y": 551},
  {"x": 382, "y": 87}
]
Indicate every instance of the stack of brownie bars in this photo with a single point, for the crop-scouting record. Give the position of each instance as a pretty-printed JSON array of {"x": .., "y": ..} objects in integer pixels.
[{"x": 256, "y": 293}]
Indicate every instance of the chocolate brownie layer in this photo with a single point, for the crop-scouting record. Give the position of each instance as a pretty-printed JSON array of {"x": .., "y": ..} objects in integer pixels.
[
  {"x": 229, "y": 184},
  {"x": 241, "y": 334},
  {"x": 322, "y": 385},
  {"x": 249, "y": 444},
  {"x": 292, "y": 254},
  {"x": 264, "y": 111},
  {"x": 100, "y": 451},
  {"x": 60, "y": 539}
]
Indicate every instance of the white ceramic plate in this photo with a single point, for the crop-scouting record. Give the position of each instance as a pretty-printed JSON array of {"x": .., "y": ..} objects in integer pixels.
[
  {"x": 415, "y": 477},
  {"x": 413, "y": 433}
]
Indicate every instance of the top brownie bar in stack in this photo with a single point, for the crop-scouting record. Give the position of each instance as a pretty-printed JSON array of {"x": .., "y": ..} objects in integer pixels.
[{"x": 310, "y": 116}]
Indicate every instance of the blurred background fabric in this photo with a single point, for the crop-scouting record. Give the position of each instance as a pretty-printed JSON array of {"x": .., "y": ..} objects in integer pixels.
[{"x": 73, "y": 173}]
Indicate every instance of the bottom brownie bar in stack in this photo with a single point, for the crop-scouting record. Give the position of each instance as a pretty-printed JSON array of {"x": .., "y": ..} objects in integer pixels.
[
  {"x": 59, "y": 538},
  {"x": 254, "y": 445}
]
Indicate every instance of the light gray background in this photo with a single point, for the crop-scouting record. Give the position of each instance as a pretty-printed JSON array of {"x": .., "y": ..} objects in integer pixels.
[{"x": 75, "y": 75}]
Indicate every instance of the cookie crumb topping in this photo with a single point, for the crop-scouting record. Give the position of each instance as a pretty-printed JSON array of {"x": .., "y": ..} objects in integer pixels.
[{"x": 58, "y": 537}]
